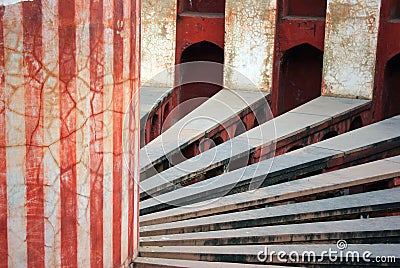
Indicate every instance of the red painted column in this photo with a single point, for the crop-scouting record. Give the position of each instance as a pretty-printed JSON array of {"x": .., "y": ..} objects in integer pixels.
[
  {"x": 34, "y": 203},
  {"x": 69, "y": 133},
  {"x": 299, "y": 23}
]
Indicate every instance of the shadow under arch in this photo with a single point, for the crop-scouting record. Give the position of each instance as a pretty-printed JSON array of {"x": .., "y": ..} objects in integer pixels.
[
  {"x": 198, "y": 92},
  {"x": 392, "y": 87},
  {"x": 300, "y": 76}
]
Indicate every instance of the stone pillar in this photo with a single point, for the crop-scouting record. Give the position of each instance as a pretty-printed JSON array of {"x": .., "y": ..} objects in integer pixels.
[
  {"x": 249, "y": 43},
  {"x": 351, "y": 38},
  {"x": 69, "y": 73},
  {"x": 158, "y": 42}
]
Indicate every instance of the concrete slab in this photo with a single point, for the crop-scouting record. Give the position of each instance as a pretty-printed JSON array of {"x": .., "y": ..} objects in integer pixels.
[
  {"x": 248, "y": 254},
  {"x": 308, "y": 159},
  {"x": 163, "y": 262},
  {"x": 340, "y": 179},
  {"x": 305, "y": 117},
  {"x": 340, "y": 207},
  {"x": 223, "y": 106},
  {"x": 350, "y": 230}
]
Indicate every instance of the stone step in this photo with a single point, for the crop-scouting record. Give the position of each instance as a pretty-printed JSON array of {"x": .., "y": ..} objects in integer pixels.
[
  {"x": 218, "y": 110},
  {"x": 142, "y": 262},
  {"x": 255, "y": 255},
  {"x": 362, "y": 231},
  {"x": 348, "y": 148},
  {"x": 308, "y": 187},
  {"x": 338, "y": 208},
  {"x": 235, "y": 153}
]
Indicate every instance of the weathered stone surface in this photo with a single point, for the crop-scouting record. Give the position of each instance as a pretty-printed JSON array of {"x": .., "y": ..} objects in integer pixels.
[
  {"x": 158, "y": 43},
  {"x": 353, "y": 176},
  {"x": 221, "y": 107},
  {"x": 249, "y": 43},
  {"x": 310, "y": 115},
  {"x": 69, "y": 71},
  {"x": 350, "y": 47},
  {"x": 352, "y": 230},
  {"x": 339, "y": 207}
]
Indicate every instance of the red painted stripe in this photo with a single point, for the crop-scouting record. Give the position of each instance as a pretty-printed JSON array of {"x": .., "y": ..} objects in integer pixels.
[
  {"x": 96, "y": 132},
  {"x": 3, "y": 166},
  {"x": 118, "y": 101},
  {"x": 34, "y": 203},
  {"x": 135, "y": 77},
  {"x": 67, "y": 76}
]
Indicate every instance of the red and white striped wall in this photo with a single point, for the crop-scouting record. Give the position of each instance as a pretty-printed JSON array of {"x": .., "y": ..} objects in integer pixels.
[{"x": 68, "y": 142}]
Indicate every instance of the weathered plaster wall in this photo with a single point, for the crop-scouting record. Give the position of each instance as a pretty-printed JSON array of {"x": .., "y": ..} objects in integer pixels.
[
  {"x": 249, "y": 43},
  {"x": 68, "y": 72},
  {"x": 158, "y": 42},
  {"x": 350, "y": 47}
]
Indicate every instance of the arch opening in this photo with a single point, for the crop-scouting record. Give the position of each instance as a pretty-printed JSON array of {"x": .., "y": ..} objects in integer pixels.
[
  {"x": 392, "y": 87},
  {"x": 216, "y": 141},
  {"x": 240, "y": 128},
  {"x": 356, "y": 123},
  {"x": 199, "y": 92},
  {"x": 329, "y": 135},
  {"x": 155, "y": 127},
  {"x": 394, "y": 10},
  {"x": 294, "y": 148},
  {"x": 300, "y": 76}
]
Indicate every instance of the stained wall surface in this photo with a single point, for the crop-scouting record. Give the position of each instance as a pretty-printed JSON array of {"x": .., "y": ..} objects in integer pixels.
[
  {"x": 350, "y": 47},
  {"x": 249, "y": 43},
  {"x": 158, "y": 42},
  {"x": 68, "y": 142}
]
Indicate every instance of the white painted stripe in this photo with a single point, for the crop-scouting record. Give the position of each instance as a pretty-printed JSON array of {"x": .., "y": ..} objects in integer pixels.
[
  {"x": 108, "y": 133},
  {"x": 82, "y": 15},
  {"x": 51, "y": 119},
  {"x": 127, "y": 93},
  {"x": 15, "y": 136},
  {"x": 136, "y": 176}
]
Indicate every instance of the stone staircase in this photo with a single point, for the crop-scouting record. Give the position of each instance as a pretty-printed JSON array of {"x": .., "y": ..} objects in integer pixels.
[{"x": 242, "y": 202}]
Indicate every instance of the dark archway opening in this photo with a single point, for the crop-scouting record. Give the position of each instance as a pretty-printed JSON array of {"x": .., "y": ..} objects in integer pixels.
[
  {"x": 300, "y": 76},
  {"x": 392, "y": 87},
  {"x": 155, "y": 127},
  {"x": 203, "y": 51},
  {"x": 356, "y": 123},
  {"x": 394, "y": 10},
  {"x": 216, "y": 141},
  {"x": 166, "y": 112},
  {"x": 329, "y": 135},
  {"x": 240, "y": 128},
  {"x": 294, "y": 148}
]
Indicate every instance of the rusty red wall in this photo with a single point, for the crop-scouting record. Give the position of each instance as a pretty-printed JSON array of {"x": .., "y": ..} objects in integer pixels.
[
  {"x": 69, "y": 70},
  {"x": 386, "y": 104},
  {"x": 297, "y": 24},
  {"x": 200, "y": 34}
]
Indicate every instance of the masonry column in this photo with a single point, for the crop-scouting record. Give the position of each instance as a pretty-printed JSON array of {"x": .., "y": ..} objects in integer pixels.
[
  {"x": 351, "y": 38},
  {"x": 69, "y": 132}
]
